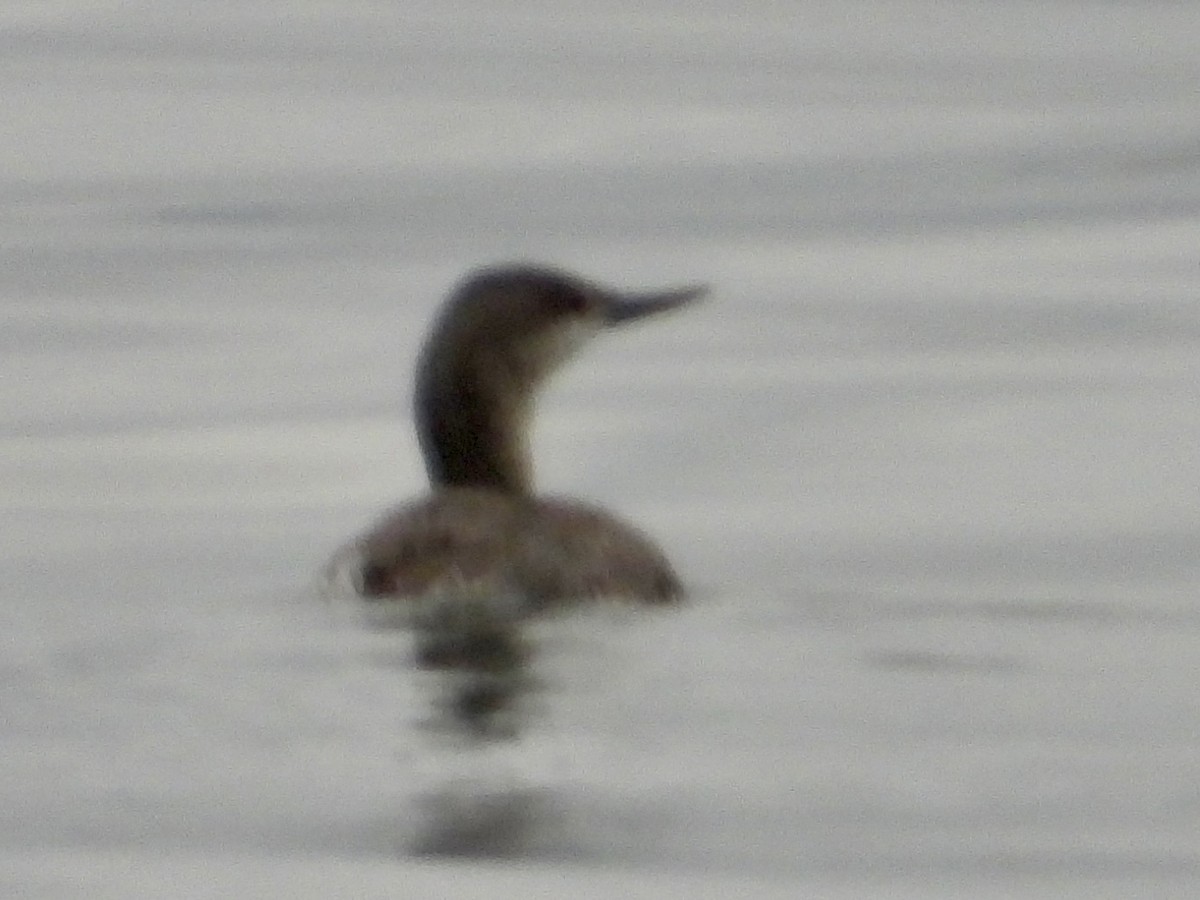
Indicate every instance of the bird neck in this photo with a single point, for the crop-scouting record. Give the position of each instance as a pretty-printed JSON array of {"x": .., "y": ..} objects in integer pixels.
[{"x": 473, "y": 425}]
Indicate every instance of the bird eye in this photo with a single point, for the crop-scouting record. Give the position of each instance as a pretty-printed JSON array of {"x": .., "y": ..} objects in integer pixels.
[{"x": 569, "y": 300}]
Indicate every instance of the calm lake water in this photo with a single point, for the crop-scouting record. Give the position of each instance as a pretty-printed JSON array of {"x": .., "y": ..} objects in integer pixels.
[{"x": 926, "y": 456}]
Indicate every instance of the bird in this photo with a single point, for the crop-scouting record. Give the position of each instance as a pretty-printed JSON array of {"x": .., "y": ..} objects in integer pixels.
[{"x": 500, "y": 334}]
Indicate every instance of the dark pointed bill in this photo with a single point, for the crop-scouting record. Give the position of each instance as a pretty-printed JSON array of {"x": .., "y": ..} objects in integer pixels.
[{"x": 627, "y": 307}]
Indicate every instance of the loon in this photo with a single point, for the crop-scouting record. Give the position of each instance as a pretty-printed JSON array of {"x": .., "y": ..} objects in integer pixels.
[{"x": 500, "y": 334}]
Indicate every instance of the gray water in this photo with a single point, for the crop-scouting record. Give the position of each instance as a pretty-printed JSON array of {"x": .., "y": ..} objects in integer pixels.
[{"x": 926, "y": 456}]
